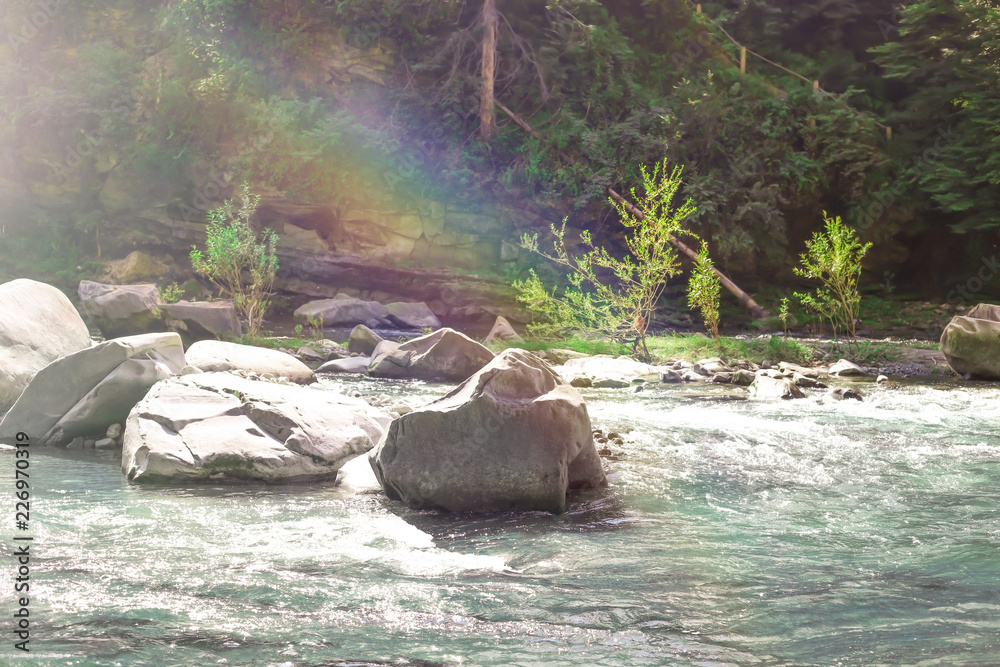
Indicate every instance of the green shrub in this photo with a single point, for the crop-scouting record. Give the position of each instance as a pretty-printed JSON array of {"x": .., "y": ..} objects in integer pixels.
[
  {"x": 238, "y": 261},
  {"x": 704, "y": 290},
  {"x": 834, "y": 258},
  {"x": 622, "y": 309}
]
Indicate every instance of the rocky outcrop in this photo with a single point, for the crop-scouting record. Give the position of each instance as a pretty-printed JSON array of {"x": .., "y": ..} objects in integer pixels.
[
  {"x": 971, "y": 343},
  {"x": 363, "y": 340},
  {"x": 216, "y": 426},
  {"x": 202, "y": 320},
  {"x": 38, "y": 324},
  {"x": 83, "y": 393},
  {"x": 136, "y": 267},
  {"x": 512, "y": 436},
  {"x": 445, "y": 355},
  {"x": 214, "y": 355},
  {"x": 121, "y": 310},
  {"x": 845, "y": 368}
]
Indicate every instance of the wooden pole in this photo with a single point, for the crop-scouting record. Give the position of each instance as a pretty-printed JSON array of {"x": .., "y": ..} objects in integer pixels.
[
  {"x": 888, "y": 133},
  {"x": 743, "y": 60},
  {"x": 815, "y": 86},
  {"x": 697, "y": 8},
  {"x": 755, "y": 308},
  {"x": 487, "y": 120}
]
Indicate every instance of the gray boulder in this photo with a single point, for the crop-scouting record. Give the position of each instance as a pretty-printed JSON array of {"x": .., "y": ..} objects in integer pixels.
[
  {"x": 343, "y": 310},
  {"x": 559, "y": 356},
  {"x": 83, "y": 393},
  {"x": 204, "y": 319},
  {"x": 410, "y": 315},
  {"x": 219, "y": 356},
  {"x": 445, "y": 355},
  {"x": 346, "y": 365},
  {"x": 216, "y": 426},
  {"x": 363, "y": 340},
  {"x": 502, "y": 330},
  {"x": 971, "y": 343},
  {"x": 512, "y": 436},
  {"x": 711, "y": 366},
  {"x": 768, "y": 388},
  {"x": 605, "y": 367},
  {"x": 121, "y": 310},
  {"x": 38, "y": 324},
  {"x": 845, "y": 368}
]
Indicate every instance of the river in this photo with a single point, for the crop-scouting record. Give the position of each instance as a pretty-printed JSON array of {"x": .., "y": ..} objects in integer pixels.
[{"x": 809, "y": 532}]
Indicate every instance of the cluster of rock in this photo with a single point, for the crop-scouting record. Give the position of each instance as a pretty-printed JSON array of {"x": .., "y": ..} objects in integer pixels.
[
  {"x": 344, "y": 310},
  {"x": 783, "y": 382},
  {"x": 513, "y": 434}
]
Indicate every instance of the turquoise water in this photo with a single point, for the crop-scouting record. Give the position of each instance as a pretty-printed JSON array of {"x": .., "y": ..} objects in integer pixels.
[{"x": 733, "y": 533}]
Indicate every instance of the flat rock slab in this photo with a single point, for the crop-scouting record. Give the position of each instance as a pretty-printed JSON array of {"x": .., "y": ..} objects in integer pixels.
[
  {"x": 216, "y": 426},
  {"x": 38, "y": 324},
  {"x": 512, "y": 436},
  {"x": 219, "y": 356},
  {"x": 83, "y": 393}
]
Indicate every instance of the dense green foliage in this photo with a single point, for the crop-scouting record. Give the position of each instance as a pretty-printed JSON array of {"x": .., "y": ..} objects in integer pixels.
[
  {"x": 704, "y": 290},
  {"x": 112, "y": 106},
  {"x": 238, "y": 260}
]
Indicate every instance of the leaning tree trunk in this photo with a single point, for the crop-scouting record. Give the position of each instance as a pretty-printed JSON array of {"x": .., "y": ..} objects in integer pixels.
[{"x": 487, "y": 119}]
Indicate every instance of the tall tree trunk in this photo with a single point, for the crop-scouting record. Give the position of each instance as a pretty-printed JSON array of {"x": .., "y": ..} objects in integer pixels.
[{"x": 487, "y": 119}]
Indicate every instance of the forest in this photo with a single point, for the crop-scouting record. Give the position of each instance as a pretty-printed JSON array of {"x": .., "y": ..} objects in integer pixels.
[{"x": 110, "y": 106}]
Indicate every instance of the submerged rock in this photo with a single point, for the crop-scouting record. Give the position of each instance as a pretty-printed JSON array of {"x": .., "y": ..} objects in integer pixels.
[
  {"x": 219, "y": 356},
  {"x": 38, "y": 324},
  {"x": 84, "y": 393},
  {"x": 445, "y": 354},
  {"x": 216, "y": 426},
  {"x": 512, "y": 436}
]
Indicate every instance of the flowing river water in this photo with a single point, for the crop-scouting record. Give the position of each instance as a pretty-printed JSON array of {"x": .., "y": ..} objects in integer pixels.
[{"x": 808, "y": 532}]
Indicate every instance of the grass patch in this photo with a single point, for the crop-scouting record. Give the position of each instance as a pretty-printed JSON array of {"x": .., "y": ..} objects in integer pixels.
[
  {"x": 275, "y": 342},
  {"x": 575, "y": 343},
  {"x": 696, "y": 346},
  {"x": 690, "y": 347}
]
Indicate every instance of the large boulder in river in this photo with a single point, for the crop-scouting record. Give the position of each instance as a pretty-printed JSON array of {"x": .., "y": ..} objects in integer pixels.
[
  {"x": 83, "y": 393},
  {"x": 363, "y": 340},
  {"x": 217, "y": 426},
  {"x": 203, "y": 319},
  {"x": 343, "y": 310},
  {"x": 38, "y": 324},
  {"x": 121, "y": 310},
  {"x": 215, "y": 355},
  {"x": 512, "y": 436},
  {"x": 502, "y": 330},
  {"x": 445, "y": 355},
  {"x": 971, "y": 343}
]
